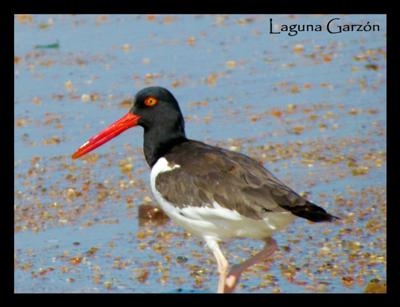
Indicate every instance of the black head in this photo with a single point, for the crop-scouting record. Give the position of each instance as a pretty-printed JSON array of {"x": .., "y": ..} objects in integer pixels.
[
  {"x": 157, "y": 107},
  {"x": 158, "y": 112},
  {"x": 162, "y": 120}
]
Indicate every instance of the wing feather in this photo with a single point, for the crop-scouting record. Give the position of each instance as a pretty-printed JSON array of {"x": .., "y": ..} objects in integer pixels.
[{"x": 209, "y": 175}]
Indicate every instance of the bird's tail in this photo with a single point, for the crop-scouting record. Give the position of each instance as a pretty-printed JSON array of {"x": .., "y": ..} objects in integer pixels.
[{"x": 313, "y": 213}]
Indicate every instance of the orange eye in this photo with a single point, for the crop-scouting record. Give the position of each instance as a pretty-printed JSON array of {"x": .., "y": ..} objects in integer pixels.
[{"x": 150, "y": 101}]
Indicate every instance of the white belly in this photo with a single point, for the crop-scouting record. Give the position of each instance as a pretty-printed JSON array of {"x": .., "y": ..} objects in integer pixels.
[{"x": 216, "y": 221}]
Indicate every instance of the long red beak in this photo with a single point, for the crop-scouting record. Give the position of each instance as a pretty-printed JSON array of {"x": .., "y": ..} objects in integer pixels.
[{"x": 128, "y": 121}]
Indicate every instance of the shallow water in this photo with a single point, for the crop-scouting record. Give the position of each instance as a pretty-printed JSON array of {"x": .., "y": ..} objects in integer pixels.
[{"x": 311, "y": 107}]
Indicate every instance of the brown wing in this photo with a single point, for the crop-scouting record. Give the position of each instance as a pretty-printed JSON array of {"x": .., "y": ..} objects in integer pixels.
[{"x": 209, "y": 174}]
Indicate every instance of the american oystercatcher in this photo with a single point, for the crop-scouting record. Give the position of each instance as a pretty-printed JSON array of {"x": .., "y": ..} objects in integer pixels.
[{"x": 211, "y": 192}]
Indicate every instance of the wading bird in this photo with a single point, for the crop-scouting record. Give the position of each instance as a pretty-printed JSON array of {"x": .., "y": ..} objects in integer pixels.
[{"x": 211, "y": 192}]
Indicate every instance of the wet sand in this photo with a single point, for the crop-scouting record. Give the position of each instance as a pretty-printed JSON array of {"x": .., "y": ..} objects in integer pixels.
[{"x": 311, "y": 108}]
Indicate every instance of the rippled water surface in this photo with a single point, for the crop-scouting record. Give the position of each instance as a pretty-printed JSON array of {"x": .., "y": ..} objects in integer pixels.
[{"x": 311, "y": 107}]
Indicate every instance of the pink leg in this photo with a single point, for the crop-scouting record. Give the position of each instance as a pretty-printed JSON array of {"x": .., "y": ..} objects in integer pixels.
[
  {"x": 237, "y": 270},
  {"x": 221, "y": 261}
]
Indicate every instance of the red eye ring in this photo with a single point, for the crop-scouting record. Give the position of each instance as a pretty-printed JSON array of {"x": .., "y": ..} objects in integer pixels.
[{"x": 150, "y": 101}]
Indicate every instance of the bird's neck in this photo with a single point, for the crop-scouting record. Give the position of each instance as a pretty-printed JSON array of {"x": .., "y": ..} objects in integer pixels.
[{"x": 158, "y": 141}]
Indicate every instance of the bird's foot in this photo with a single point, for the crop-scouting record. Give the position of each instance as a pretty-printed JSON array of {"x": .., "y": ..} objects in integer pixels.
[{"x": 231, "y": 282}]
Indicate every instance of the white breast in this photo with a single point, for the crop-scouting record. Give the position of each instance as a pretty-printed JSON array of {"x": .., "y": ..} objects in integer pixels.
[{"x": 216, "y": 221}]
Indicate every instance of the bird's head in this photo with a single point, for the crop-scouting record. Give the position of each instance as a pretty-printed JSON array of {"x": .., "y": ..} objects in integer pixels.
[{"x": 154, "y": 108}]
